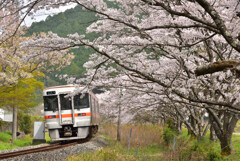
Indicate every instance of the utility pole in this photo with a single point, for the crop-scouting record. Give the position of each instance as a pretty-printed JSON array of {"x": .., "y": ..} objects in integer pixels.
[
  {"x": 14, "y": 123},
  {"x": 119, "y": 116}
]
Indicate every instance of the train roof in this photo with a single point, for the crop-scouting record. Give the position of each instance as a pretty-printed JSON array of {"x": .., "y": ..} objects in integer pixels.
[
  {"x": 62, "y": 89},
  {"x": 70, "y": 88}
]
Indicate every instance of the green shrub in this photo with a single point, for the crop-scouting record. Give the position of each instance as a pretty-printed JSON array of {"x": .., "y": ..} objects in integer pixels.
[
  {"x": 25, "y": 123},
  {"x": 168, "y": 135}
]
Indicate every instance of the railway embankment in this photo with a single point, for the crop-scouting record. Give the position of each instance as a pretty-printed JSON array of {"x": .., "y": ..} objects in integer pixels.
[{"x": 96, "y": 143}]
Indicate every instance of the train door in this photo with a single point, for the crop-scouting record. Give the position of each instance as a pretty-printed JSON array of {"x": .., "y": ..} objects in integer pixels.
[{"x": 65, "y": 109}]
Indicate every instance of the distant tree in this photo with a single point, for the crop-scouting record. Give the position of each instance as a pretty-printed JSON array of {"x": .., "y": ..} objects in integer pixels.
[
  {"x": 71, "y": 21},
  {"x": 19, "y": 97}
]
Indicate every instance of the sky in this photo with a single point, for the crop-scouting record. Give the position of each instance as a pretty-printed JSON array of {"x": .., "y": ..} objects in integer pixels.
[{"x": 42, "y": 15}]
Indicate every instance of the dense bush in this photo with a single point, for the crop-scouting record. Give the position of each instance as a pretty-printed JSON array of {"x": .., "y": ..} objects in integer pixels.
[
  {"x": 25, "y": 123},
  {"x": 168, "y": 135},
  {"x": 169, "y": 131}
]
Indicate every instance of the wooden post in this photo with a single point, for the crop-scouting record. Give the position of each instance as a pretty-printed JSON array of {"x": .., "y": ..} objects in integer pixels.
[
  {"x": 129, "y": 140},
  {"x": 119, "y": 117}
]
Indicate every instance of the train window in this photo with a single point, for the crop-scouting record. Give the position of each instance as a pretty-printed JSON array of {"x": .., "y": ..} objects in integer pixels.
[
  {"x": 50, "y": 103},
  {"x": 81, "y": 101},
  {"x": 66, "y": 102}
]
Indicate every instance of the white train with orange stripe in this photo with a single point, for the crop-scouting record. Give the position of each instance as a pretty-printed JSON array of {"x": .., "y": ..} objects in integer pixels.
[{"x": 70, "y": 117}]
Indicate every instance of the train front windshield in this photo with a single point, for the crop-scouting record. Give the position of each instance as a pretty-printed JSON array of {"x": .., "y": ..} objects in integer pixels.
[
  {"x": 81, "y": 101},
  {"x": 50, "y": 103},
  {"x": 66, "y": 102}
]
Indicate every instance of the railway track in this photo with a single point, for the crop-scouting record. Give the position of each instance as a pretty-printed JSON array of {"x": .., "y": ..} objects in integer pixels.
[
  {"x": 41, "y": 149},
  {"x": 35, "y": 150}
]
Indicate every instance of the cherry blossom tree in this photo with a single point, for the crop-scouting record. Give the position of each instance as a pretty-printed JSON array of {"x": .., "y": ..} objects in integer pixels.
[
  {"x": 158, "y": 45},
  {"x": 19, "y": 64}
]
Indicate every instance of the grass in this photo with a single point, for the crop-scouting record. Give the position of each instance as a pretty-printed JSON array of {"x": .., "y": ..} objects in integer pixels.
[
  {"x": 5, "y": 141},
  {"x": 144, "y": 134},
  {"x": 117, "y": 151},
  {"x": 237, "y": 128},
  {"x": 191, "y": 149},
  {"x": 148, "y": 136},
  {"x": 47, "y": 137},
  {"x": 26, "y": 141},
  {"x": 152, "y": 146}
]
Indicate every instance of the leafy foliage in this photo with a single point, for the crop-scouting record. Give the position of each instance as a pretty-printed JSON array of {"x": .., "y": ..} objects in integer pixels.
[
  {"x": 20, "y": 95},
  {"x": 168, "y": 135},
  {"x": 169, "y": 131},
  {"x": 25, "y": 123}
]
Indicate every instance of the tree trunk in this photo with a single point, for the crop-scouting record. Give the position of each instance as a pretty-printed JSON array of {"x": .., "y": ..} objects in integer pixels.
[
  {"x": 200, "y": 132},
  {"x": 193, "y": 125},
  {"x": 226, "y": 144},
  {"x": 224, "y": 130},
  {"x": 213, "y": 136},
  {"x": 179, "y": 126},
  {"x": 119, "y": 124},
  {"x": 14, "y": 125},
  {"x": 229, "y": 122}
]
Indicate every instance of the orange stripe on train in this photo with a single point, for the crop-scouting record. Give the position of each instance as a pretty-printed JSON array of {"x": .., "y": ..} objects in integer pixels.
[
  {"x": 66, "y": 115},
  {"x": 70, "y": 115}
]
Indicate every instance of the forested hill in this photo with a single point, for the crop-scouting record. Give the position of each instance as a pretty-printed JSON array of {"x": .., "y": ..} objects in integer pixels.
[{"x": 68, "y": 22}]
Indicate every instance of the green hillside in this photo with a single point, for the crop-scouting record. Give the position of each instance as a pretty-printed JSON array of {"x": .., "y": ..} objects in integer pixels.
[{"x": 68, "y": 22}]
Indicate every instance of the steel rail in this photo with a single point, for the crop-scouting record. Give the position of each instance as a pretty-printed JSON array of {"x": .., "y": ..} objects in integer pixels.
[
  {"x": 36, "y": 150},
  {"x": 45, "y": 148}
]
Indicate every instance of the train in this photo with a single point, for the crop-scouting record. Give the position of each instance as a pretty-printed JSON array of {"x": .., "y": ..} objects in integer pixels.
[{"x": 70, "y": 116}]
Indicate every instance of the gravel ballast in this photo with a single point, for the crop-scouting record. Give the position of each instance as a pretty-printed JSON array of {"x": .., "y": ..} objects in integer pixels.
[{"x": 95, "y": 143}]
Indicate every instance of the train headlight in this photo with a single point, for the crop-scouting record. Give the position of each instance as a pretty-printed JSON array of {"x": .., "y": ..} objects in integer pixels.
[
  {"x": 82, "y": 114},
  {"x": 51, "y": 117}
]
